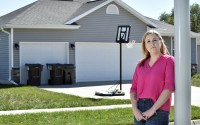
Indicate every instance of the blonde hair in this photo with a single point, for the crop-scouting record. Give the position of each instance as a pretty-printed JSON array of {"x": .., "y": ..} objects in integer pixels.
[{"x": 163, "y": 48}]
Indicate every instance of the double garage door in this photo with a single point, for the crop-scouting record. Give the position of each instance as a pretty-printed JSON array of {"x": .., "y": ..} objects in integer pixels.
[{"x": 93, "y": 61}]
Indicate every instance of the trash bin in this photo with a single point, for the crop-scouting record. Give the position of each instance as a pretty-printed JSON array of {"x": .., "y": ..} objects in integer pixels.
[
  {"x": 69, "y": 74},
  {"x": 34, "y": 74},
  {"x": 56, "y": 73},
  {"x": 16, "y": 74}
]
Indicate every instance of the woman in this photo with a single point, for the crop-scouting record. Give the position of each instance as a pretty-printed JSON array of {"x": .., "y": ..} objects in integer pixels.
[{"x": 153, "y": 82}]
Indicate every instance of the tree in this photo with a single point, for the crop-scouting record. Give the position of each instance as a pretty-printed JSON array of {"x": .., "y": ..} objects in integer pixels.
[
  {"x": 168, "y": 18},
  {"x": 194, "y": 17}
]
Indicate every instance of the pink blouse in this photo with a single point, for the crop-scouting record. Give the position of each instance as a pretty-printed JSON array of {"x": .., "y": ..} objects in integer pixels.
[{"x": 149, "y": 82}]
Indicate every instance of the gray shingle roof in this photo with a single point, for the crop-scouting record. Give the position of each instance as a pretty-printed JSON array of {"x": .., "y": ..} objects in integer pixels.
[
  {"x": 47, "y": 12},
  {"x": 42, "y": 12},
  {"x": 58, "y": 12},
  {"x": 6, "y": 18},
  {"x": 85, "y": 7},
  {"x": 163, "y": 28},
  {"x": 167, "y": 29}
]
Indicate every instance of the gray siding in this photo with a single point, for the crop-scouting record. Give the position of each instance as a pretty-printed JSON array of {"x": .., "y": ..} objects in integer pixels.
[
  {"x": 193, "y": 48},
  {"x": 96, "y": 27},
  {"x": 102, "y": 27},
  {"x": 168, "y": 43},
  {"x": 193, "y": 51},
  {"x": 4, "y": 56}
]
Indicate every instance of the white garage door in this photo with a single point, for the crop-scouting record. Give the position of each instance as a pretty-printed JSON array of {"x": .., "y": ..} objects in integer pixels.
[
  {"x": 100, "y": 61},
  {"x": 42, "y": 53}
]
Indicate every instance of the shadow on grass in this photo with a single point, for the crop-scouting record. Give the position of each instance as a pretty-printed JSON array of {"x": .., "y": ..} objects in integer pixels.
[
  {"x": 93, "y": 99},
  {"x": 5, "y": 86}
]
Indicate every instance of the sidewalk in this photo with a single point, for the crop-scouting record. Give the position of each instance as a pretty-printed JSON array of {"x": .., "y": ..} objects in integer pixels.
[{"x": 16, "y": 112}]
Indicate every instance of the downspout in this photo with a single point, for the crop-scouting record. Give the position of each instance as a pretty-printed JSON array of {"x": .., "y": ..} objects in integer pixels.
[{"x": 10, "y": 57}]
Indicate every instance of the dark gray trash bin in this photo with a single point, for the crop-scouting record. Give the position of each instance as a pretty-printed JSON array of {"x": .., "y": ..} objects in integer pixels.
[
  {"x": 69, "y": 74},
  {"x": 34, "y": 74},
  {"x": 56, "y": 73}
]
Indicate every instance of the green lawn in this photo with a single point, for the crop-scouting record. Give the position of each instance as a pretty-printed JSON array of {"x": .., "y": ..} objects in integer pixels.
[
  {"x": 196, "y": 80},
  {"x": 121, "y": 116},
  {"x": 30, "y": 97}
]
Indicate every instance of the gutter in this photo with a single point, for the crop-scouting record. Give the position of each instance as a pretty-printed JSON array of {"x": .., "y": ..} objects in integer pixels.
[
  {"x": 9, "y": 40},
  {"x": 47, "y": 26}
]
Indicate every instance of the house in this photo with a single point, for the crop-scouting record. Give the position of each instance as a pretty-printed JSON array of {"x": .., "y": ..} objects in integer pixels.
[
  {"x": 79, "y": 32},
  {"x": 198, "y": 53},
  {"x": 167, "y": 32}
]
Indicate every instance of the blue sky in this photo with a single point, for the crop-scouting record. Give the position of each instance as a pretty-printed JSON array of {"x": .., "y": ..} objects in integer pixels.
[{"x": 150, "y": 8}]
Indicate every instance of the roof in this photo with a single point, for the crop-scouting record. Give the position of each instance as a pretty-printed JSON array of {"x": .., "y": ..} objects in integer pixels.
[
  {"x": 6, "y": 18},
  {"x": 85, "y": 9},
  {"x": 58, "y": 13},
  {"x": 62, "y": 14},
  {"x": 42, "y": 13},
  {"x": 90, "y": 7},
  {"x": 166, "y": 29}
]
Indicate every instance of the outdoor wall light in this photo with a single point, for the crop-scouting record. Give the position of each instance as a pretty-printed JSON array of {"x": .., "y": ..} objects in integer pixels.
[
  {"x": 16, "y": 46},
  {"x": 72, "y": 45}
]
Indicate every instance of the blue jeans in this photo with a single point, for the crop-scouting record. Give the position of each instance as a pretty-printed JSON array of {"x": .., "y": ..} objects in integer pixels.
[{"x": 160, "y": 118}]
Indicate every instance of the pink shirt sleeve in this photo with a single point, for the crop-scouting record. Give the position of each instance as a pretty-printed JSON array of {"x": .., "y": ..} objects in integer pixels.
[
  {"x": 169, "y": 75},
  {"x": 134, "y": 82}
]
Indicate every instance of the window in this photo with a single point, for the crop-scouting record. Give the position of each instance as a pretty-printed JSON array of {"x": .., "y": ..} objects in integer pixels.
[{"x": 112, "y": 9}]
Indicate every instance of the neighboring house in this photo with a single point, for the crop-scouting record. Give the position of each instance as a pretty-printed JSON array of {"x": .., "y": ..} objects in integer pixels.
[
  {"x": 78, "y": 32},
  {"x": 198, "y": 53},
  {"x": 167, "y": 31}
]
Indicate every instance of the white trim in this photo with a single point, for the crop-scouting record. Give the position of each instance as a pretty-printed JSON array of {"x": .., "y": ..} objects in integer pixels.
[
  {"x": 88, "y": 12},
  {"x": 120, "y": 3},
  {"x": 11, "y": 47},
  {"x": 134, "y": 12},
  {"x": 198, "y": 41},
  {"x": 172, "y": 35},
  {"x": 171, "y": 45},
  {"x": 112, "y": 9},
  {"x": 70, "y": 27}
]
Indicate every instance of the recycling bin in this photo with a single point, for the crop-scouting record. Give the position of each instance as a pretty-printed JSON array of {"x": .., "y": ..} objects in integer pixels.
[
  {"x": 56, "y": 73},
  {"x": 34, "y": 74},
  {"x": 69, "y": 74}
]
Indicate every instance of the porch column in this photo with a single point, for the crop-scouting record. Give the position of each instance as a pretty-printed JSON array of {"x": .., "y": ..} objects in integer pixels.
[{"x": 182, "y": 62}]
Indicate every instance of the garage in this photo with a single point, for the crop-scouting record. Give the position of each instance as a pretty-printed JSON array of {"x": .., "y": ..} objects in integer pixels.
[
  {"x": 100, "y": 61},
  {"x": 42, "y": 53}
]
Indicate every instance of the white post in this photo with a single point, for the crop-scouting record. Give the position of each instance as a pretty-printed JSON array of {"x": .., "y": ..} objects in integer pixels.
[{"x": 182, "y": 62}]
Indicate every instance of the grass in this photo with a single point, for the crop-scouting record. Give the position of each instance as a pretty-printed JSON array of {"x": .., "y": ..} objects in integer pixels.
[
  {"x": 196, "y": 80},
  {"x": 121, "y": 116},
  {"x": 30, "y": 97}
]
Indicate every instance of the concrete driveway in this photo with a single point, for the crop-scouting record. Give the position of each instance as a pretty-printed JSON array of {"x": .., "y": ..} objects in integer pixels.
[{"x": 88, "y": 90}]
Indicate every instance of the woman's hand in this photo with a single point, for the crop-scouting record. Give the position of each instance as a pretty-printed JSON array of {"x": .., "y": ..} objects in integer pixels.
[
  {"x": 149, "y": 113},
  {"x": 138, "y": 115}
]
